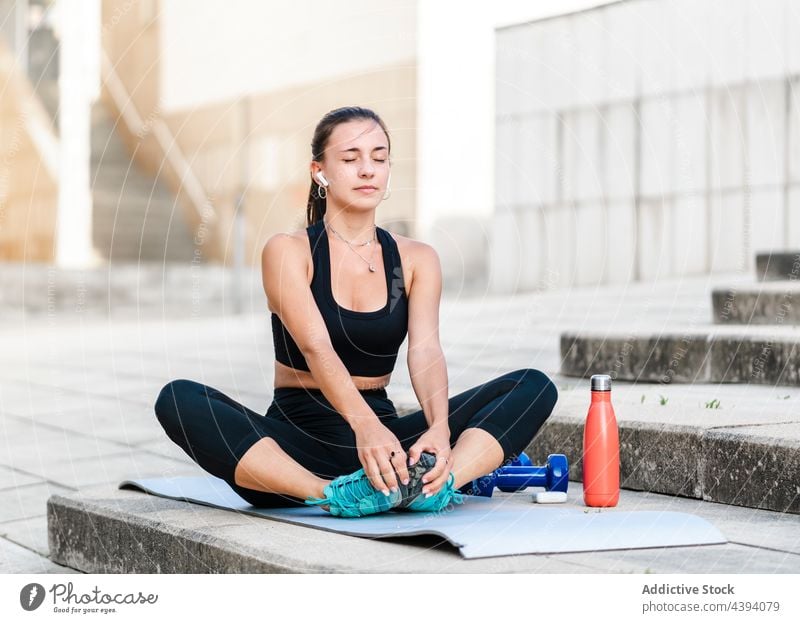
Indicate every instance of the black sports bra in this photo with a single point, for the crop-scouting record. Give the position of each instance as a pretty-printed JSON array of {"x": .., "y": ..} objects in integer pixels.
[{"x": 366, "y": 342}]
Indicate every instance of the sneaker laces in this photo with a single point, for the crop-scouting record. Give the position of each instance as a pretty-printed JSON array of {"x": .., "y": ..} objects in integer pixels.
[
  {"x": 448, "y": 493},
  {"x": 456, "y": 496}
]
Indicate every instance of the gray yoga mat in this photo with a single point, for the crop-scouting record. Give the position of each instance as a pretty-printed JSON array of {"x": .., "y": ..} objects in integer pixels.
[{"x": 480, "y": 527}]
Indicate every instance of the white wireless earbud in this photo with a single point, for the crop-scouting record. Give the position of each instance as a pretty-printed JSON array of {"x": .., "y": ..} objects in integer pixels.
[
  {"x": 388, "y": 189},
  {"x": 321, "y": 178}
]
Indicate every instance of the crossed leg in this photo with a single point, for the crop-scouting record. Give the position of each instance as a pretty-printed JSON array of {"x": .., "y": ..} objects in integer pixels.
[
  {"x": 271, "y": 463},
  {"x": 489, "y": 423}
]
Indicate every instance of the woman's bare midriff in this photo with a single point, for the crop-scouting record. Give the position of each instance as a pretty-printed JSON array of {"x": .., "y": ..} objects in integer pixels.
[{"x": 291, "y": 377}]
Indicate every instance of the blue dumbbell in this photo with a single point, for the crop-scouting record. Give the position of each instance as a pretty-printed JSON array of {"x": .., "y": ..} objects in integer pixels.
[{"x": 520, "y": 474}]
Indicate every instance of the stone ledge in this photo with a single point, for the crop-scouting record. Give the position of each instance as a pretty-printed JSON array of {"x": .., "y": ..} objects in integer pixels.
[
  {"x": 776, "y": 303},
  {"x": 741, "y": 466},
  {"x": 108, "y": 530},
  {"x": 700, "y": 355},
  {"x": 777, "y": 266},
  {"x": 741, "y": 457}
]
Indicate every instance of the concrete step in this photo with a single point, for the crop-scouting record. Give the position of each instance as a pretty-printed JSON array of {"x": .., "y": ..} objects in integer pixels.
[
  {"x": 778, "y": 265},
  {"x": 129, "y": 207},
  {"x": 696, "y": 354},
  {"x": 733, "y": 444},
  {"x": 129, "y": 250},
  {"x": 107, "y": 151},
  {"x": 126, "y": 178},
  {"x": 770, "y": 302},
  {"x": 742, "y": 450},
  {"x": 131, "y": 210},
  {"x": 148, "y": 223},
  {"x": 149, "y": 241},
  {"x": 150, "y": 236},
  {"x": 108, "y": 530}
]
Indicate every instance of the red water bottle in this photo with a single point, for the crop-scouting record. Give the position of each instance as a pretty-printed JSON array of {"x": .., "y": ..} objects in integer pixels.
[{"x": 601, "y": 447}]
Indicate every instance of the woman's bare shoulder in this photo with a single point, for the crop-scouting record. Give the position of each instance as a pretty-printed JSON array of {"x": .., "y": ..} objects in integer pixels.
[
  {"x": 291, "y": 243},
  {"x": 404, "y": 243},
  {"x": 414, "y": 250},
  {"x": 415, "y": 256},
  {"x": 292, "y": 239},
  {"x": 297, "y": 234}
]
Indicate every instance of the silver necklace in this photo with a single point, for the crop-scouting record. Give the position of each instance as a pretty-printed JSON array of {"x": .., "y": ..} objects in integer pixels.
[{"x": 363, "y": 244}]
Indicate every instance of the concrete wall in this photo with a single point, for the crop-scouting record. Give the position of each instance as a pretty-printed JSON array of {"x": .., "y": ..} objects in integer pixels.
[
  {"x": 644, "y": 139},
  {"x": 456, "y": 128}
]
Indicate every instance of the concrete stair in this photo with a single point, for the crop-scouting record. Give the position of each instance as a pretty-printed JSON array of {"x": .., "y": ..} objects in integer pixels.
[
  {"x": 108, "y": 530},
  {"x": 767, "y": 303},
  {"x": 135, "y": 216},
  {"x": 772, "y": 300},
  {"x": 733, "y": 445},
  {"x": 777, "y": 265},
  {"x": 751, "y": 337},
  {"x": 745, "y": 358},
  {"x": 701, "y": 354}
]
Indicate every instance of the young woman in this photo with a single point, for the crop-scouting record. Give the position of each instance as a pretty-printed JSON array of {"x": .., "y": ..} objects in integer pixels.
[{"x": 344, "y": 294}]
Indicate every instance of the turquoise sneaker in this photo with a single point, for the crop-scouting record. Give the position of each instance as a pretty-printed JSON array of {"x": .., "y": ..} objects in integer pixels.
[
  {"x": 353, "y": 495},
  {"x": 447, "y": 494}
]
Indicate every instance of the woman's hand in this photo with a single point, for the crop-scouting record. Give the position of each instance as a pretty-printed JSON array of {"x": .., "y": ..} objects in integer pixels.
[
  {"x": 435, "y": 440},
  {"x": 375, "y": 444}
]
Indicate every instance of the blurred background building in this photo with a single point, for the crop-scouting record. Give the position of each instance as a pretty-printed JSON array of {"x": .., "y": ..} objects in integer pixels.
[
  {"x": 644, "y": 139},
  {"x": 535, "y": 145}
]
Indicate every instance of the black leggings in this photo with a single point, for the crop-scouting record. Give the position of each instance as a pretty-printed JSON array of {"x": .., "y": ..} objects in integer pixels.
[{"x": 216, "y": 431}]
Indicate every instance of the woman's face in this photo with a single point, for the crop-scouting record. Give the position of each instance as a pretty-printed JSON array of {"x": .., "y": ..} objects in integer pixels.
[{"x": 357, "y": 154}]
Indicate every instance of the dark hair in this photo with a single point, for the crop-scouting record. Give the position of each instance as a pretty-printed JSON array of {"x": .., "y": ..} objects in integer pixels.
[{"x": 316, "y": 206}]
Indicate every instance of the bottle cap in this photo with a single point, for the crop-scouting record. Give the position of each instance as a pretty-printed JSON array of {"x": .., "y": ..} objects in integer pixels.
[{"x": 601, "y": 382}]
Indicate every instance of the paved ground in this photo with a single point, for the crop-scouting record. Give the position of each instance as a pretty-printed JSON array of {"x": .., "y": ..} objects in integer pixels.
[{"x": 76, "y": 393}]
